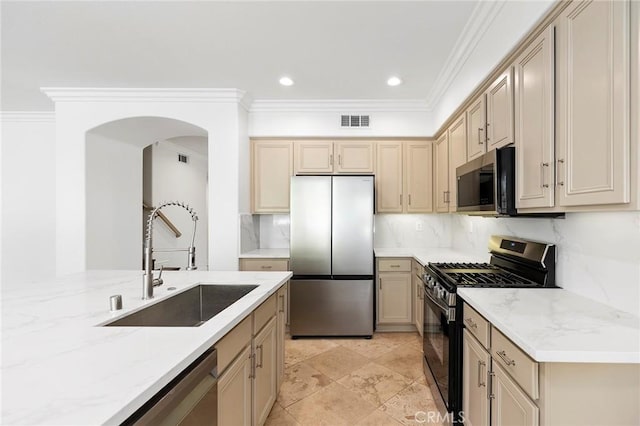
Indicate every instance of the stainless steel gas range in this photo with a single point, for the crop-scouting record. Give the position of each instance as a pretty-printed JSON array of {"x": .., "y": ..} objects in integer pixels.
[{"x": 514, "y": 263}]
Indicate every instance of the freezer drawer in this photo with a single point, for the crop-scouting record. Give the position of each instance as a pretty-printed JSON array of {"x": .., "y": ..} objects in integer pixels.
[{"x": 331, "y": 308}]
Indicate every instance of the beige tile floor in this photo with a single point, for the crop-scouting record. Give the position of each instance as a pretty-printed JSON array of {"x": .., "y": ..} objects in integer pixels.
[{"x": 353, "y": 382}]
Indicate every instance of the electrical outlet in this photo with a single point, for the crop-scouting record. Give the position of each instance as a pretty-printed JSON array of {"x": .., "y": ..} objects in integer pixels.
[
  {"x": 418, "y": 226},
  {"x": 470, "y": 225}
]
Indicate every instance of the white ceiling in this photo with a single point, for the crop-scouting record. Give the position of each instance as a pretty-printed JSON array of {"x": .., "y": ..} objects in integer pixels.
[{"x": 332, "y": 49}]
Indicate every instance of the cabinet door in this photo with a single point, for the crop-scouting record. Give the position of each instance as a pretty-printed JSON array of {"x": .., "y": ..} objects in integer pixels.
[
  {"x": 234, "y": 392},
  {"x": 534, "y": 123},
  {"x": 354, "y": 157},
  {"x": 394, "y": 301},
  {"x": 313, "y": 157},
  {"x": 272, "y": 168},
  {"x": 476, "y": 135},
  {"x": 419, "y": 177},
  {"x": 510, "y": 406},
  {"x": 592, "y": 89},
  {"x": 265, "y": 358},
  {"x": 500, "y": 112},
  {"x": 442, "y": 173},
  {"x": 389, "y": 177},
  {"x": 280, "y": 331},
  {"x": 417, "y": 305},
  {"x": 475, "y": 374},
  {"x": 457, "y": 156}
]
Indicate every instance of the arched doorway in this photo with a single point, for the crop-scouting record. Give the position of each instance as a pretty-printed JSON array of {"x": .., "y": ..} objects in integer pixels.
[{"x": 138, "y": 161}]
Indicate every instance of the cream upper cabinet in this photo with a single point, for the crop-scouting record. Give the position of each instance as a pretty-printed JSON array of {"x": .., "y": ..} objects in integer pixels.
[
  {"x": 404, "y": 177},
  {"x": 320, "y": 157},
  {"x": 476, "y": 365},
  {"x": 389, "y": 177},
  {"x": 442, "y": 173},
  {"x": 593, "y": 114},
  {"x": 354, "y": 157},
  {"x": 419, "y": 177},
  {"x": 534, "y": 123},
  {"x": 457, "y": 156},
  {"x": 313, "y": 157},
  {"x": 271, "y": 171},
  {"x": 476, "y": 128},
  {"x": 499, "y": 130}
]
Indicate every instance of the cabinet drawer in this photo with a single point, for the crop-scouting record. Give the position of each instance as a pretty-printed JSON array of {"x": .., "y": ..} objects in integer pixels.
[
  {"x": 523, "y": 369},
  {"x": 264, "y": 312},
  {"x": 394, "y": 265},
  {"x": 477, "y": 325},
  {"x": 232, "y": 343},
  {"x": 264, "y": 265}
]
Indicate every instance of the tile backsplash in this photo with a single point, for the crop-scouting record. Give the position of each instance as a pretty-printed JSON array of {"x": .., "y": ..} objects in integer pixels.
[{"x": 598, "y": 253}]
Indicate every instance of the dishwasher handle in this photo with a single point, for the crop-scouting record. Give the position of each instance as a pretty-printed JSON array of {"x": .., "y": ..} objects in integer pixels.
[{"x": 170, "y": 397}]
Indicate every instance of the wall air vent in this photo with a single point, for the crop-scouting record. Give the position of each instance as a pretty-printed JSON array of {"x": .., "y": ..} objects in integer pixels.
[
  {"x": 183, "y": 158},
  {"x": 354, "y": 121}
]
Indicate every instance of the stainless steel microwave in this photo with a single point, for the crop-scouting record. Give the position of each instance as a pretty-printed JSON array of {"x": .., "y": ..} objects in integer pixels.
[{"x": 487, "y": 185}]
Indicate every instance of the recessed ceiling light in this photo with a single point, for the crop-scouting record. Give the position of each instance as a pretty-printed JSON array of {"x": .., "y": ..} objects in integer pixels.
[
  {"x": 394, "y": 81},
  {"x": 286, "y": 81}
]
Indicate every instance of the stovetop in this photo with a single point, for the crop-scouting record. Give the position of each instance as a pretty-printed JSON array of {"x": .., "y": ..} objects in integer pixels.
[{"x": 478, "y": 275}]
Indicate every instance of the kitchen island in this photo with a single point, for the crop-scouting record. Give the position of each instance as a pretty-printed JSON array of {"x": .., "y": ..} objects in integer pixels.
[{"x": 59, "y": 366}]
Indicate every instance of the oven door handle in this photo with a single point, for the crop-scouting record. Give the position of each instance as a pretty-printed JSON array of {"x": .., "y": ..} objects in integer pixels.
[{"x": 449, "y": 312}]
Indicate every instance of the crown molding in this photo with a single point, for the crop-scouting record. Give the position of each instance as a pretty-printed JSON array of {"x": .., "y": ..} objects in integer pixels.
[
  {"x": 345, "y": 106},
  {"x": 481, "y": 19},
  {"x": 27, "y": 116},
  {"x": 109, "y": 94}
]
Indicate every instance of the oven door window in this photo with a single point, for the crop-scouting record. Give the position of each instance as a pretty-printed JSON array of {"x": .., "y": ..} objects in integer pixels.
[
  {"x": 436, "y": 345},
  {"x": 476, "y": 188}
]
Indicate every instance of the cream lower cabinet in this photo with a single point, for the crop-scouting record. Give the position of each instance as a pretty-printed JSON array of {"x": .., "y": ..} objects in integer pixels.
[
  {"x": 283, "y": 319},
  {"x": 248, "y": 363},
  {"x": 418, "y": 295},
  {"x": 271, "y": 171},
  {"x": 395, "y": 293},
  {"x": 503, "y": 386},
  {"x": 475, "y": 367}
]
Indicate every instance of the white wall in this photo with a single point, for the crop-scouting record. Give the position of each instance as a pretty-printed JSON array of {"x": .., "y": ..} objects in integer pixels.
[
  {"x": 80, "y": 110},
  {"x": 498, "y": 36},
  {"x": 318, "y": 118},
  {"x": 28, "y": 197},
  {"x": 114, "y": 203},
  {"x": 598, "y": 253},
  {"x": 175, "y": 181}
]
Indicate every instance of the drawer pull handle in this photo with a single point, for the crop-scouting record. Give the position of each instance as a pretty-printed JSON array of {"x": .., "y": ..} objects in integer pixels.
[
  {"x": 471, "y": 323},
  {"x": 267, "y": 266},
  {"x": 480, "y": 382},
  {"x": 252, "y": 372},
  {"x": 505, "y": 358},
  {"x": 282, "y": 299}
]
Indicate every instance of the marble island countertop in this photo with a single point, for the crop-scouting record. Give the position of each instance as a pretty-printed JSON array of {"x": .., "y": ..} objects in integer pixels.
[
  {"x": 556, "y": 325},
  {"x": 60, "y": 367}
]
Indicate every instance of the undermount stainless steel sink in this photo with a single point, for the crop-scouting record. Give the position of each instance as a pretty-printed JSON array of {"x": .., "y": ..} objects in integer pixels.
[{"x": 190, "y": 308}]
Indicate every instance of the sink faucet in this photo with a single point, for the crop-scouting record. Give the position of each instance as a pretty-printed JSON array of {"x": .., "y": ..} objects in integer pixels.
[{"x": 148, "y": 281}]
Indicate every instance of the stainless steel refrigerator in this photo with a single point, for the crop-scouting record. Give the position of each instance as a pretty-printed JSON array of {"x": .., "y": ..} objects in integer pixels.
[{"x": 331, "y": 256}]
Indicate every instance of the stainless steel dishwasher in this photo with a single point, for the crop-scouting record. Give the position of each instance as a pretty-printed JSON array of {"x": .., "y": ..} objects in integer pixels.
[{"x": 191, "y": 399}]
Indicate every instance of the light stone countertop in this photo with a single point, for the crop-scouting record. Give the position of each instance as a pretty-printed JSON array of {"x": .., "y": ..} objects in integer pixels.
[
  {"x": 426, "y": 255},
  {"x": 556, "y": 325},
  {"x": 60, "y": 368},
  {"x": 267, "y": 253}
]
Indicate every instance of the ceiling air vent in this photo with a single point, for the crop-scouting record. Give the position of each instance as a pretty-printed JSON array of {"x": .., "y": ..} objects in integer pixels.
[
  {"x": 183, "y": 158},
  {"x": 354, "y": 121}
]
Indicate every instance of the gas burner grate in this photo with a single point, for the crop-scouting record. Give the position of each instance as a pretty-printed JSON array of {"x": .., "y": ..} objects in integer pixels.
[{"x": 464, "y": 265}]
